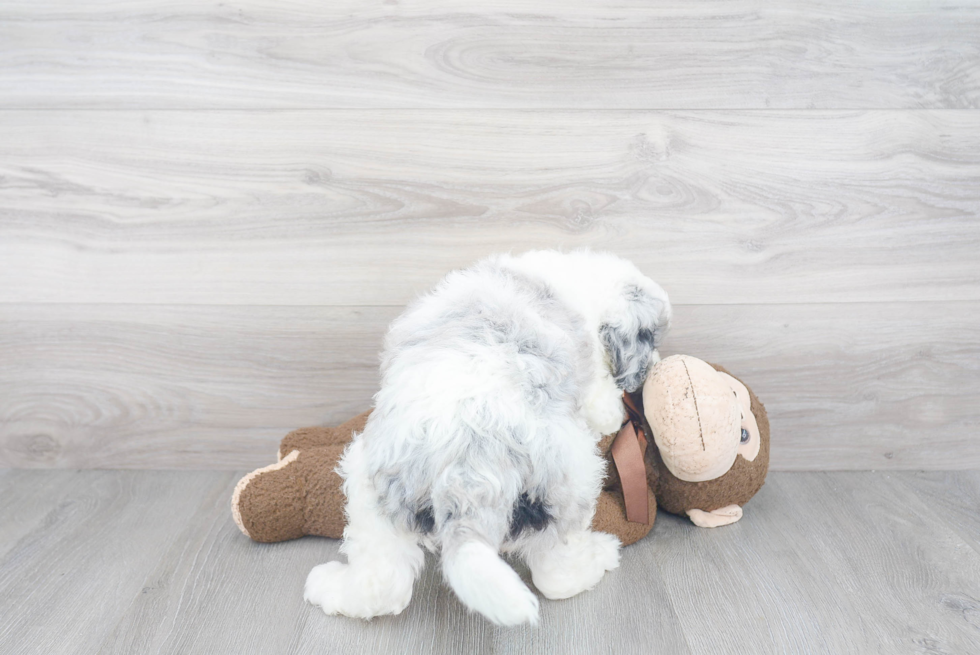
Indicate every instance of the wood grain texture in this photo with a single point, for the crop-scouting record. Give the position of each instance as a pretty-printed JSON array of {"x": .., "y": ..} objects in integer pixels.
[
  {"x": 66, "y": 584},
  {"x": 955, "y": 495},
  {"x": 150, "y": 562},
  {"x": 847, "y": 386},
  {"x": 210, "y": 211},
  {"x": 824, "y": 563},
  {"x": 244, "y": 599},
  {"x": 161, "y": 387},
  {"x": 22, "y": 513},
  {"x": 500, "y": 53},
  {"x": 372, "y": 208}
]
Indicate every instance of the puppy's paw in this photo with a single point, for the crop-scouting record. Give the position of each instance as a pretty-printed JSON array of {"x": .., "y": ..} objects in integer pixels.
[
  {"x": 576, "y": 566},
  {"x": 603, "y": 407},
  {"x": 357, "y": 592},
  {"x": 605, "y": 551},
  {"x": 325, "y": 585}
]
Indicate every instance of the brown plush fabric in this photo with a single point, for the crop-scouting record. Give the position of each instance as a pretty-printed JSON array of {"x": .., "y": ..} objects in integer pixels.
[
  {"x": 301, "y": 497},
  {"x": 610, "y": 516},
  {"x": 610, "y": 511},
  {"x": 302, "y": 494},
  {"x": 305, "y": 438},
  {"x": 736, "y": 487}
]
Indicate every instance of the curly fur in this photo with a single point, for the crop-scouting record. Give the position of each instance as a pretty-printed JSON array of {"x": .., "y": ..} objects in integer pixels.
[{"x": 496, "y": 388}]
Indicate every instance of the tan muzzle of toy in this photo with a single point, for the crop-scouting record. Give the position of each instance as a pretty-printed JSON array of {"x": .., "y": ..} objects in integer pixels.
[{"x": 695, "y": 416}]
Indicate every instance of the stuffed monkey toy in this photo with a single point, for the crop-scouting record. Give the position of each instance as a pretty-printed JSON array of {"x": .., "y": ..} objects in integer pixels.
[
  {"x": 301, "y": 493},
  {"x": 699, "y": 464},
  {"x": 712, "y": 440}
]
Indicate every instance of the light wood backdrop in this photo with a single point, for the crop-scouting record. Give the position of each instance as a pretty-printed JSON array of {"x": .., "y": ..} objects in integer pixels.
[{"x": 209, "y": 212}]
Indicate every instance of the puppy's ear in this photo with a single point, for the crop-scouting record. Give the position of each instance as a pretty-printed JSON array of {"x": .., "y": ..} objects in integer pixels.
[{"x": 632, "y": 337}]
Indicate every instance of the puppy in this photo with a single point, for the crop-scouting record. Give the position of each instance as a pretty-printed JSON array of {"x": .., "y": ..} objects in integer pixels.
[{"x": 496, "y": 388}]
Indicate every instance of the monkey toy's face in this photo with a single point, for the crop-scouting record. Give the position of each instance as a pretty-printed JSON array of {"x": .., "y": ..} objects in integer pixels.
[{"x": 712, "y": 438}]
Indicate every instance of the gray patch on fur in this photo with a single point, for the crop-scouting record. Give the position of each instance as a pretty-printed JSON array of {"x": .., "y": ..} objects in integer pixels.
[{"x": 630, "y": 343}]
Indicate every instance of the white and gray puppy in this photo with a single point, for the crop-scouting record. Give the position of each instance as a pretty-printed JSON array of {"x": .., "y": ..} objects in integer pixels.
[{"x": 496, "y": 388}]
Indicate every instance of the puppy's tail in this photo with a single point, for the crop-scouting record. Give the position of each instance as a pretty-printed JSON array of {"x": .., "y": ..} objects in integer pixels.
[{"x": 486, "y": 584}]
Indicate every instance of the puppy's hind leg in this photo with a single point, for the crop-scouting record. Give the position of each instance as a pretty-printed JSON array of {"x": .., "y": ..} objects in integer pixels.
[
  {"x": 565, "y": 568},
  {"x": 574, "y": 558},
  {"x": 383, "y": 561}
]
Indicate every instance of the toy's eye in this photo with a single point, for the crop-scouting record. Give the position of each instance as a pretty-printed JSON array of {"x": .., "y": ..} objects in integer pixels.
[{"x": 745, "y": 436}]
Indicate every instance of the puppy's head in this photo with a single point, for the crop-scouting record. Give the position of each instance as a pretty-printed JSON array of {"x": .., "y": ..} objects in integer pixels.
[
  {"x": 632, "y": 328},
  {"x": 629, "y": 312}
]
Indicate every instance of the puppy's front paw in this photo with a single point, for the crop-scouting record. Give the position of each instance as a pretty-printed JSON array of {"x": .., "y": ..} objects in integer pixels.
[{"x": 604, "y": 410}]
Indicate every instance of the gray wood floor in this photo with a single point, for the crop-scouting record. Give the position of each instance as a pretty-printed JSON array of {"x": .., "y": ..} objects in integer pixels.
[{"x": 150, "y": 562}]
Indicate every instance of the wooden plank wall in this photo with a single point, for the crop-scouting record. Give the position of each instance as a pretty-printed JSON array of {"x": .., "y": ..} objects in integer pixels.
[{"x": 209, "y": 212}]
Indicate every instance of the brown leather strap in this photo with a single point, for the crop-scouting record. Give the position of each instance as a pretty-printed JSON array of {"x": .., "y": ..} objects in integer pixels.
[
  {"x": 636, "y": 418},
  {"x": 635, "y": 414},
  {"x": 628, "y": 450}
]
